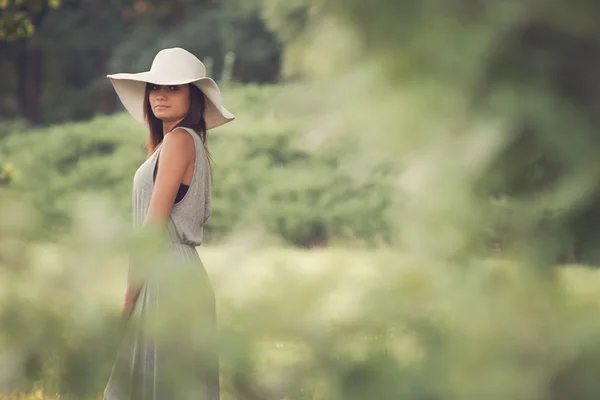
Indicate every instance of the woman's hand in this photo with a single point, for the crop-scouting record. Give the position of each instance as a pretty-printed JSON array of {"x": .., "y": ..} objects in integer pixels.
[
  {"x": 128, "y": 306},
  {"x": 130, "y": 298}
]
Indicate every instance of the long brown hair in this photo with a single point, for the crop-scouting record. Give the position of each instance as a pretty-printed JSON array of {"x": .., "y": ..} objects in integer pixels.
[{"x": 194, "y": 120}]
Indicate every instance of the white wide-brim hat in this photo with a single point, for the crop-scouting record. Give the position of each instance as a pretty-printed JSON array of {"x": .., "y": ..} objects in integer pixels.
[{"x": 174, "y": 66}]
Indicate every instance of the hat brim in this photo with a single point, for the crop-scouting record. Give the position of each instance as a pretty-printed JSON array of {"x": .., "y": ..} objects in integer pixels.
[{"x": 131, "y": 89}]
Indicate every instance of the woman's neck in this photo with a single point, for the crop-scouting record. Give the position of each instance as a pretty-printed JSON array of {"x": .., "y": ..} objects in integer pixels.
[{"x": 168, "y": 126}]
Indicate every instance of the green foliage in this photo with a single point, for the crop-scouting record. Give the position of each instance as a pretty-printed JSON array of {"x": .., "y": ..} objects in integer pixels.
[
  {"x": 211, "y": 32},
  {"x": 478, "y": 128},
  {"x": 60, "y": 164},
  {"x": 7, "y": 174},
  {"x": 288, "y": 19},
  {"x": 56, "y": 76},
  {"x": 262, "y": 175},
  {"x": 19, "y": 18}
]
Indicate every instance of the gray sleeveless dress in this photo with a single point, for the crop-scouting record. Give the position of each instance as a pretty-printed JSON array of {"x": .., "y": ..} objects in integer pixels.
[{"x": 169, "y": 350}]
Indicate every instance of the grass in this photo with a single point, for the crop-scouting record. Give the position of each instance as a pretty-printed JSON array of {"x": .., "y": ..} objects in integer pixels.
[
  {"x": 239, "y": 273},
  {"x": 244, "y": 274},
  {"x": 235, "y": 270}
]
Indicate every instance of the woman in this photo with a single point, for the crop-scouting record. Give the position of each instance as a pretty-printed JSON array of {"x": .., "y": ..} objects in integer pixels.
[{"x": 168, "y": 352}]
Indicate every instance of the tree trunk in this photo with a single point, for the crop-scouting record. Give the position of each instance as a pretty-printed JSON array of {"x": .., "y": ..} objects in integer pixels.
[{"x": 30, "y": 69}]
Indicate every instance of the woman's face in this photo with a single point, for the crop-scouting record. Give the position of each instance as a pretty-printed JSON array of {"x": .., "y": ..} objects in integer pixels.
[{"x": 169, "y": 103}]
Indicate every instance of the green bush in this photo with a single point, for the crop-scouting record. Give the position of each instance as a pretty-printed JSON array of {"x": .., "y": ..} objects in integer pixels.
[
  {"x": 262, "y": 174},
  {"x": 432, "y": 317},
  {"x": 7, "y": 174}
]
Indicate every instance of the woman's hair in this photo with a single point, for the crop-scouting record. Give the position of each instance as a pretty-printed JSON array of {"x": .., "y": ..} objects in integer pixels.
[{"x": 194, "y": 120}]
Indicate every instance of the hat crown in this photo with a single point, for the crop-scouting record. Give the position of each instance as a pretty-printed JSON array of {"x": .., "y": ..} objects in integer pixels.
[{"x": 177, "y": 62}]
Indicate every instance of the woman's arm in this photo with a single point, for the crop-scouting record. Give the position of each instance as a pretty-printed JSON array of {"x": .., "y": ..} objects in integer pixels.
[{"x": 175, "y": 157}]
